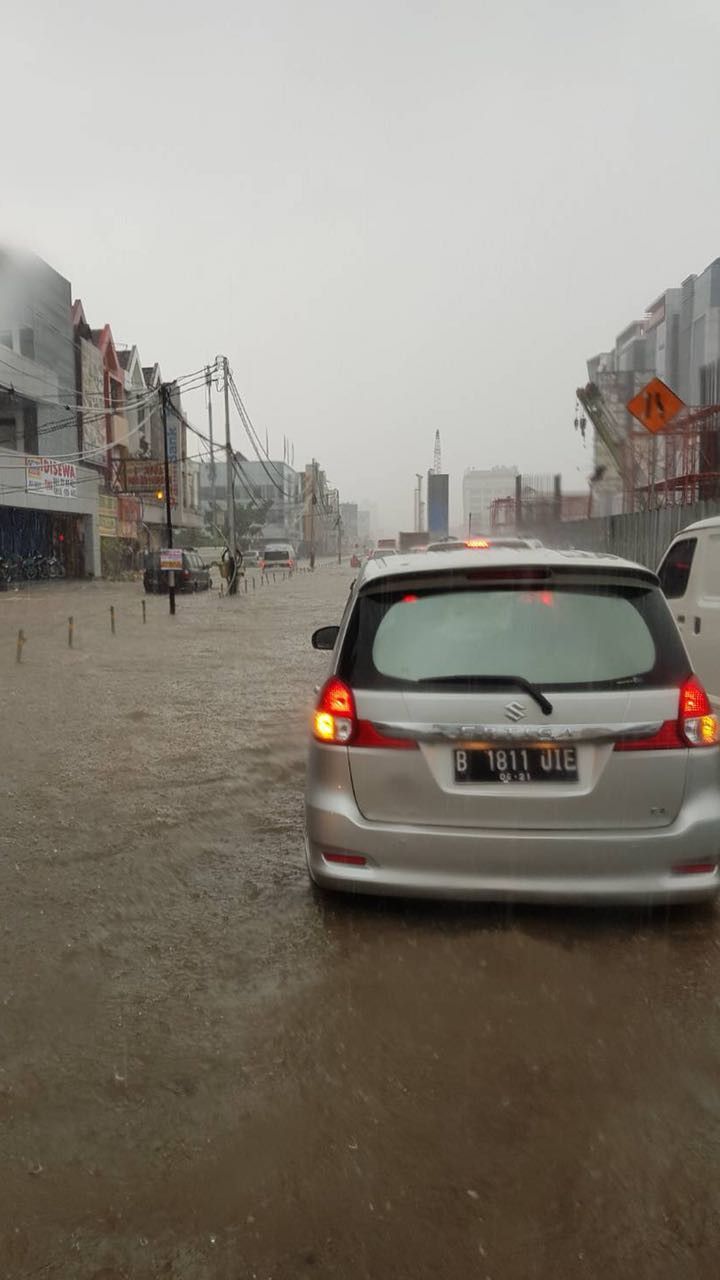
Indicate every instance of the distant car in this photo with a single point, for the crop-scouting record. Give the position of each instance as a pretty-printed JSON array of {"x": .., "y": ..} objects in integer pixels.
[
  {"x": 382, "y": 553},
  {"x": 194, "y": 575},
  {"x": 278, "y": 555},
  {"x": 484, "y": 544},
  {"x": 521, "y": 724},
  {"x": 251, "y": 559}
]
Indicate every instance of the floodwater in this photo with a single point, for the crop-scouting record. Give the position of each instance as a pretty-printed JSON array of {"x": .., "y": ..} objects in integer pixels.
[{"x": 208, "y": 1073}]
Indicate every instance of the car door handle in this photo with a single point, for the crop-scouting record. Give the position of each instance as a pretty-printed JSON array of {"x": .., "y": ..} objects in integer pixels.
[
  {"x": 696, "y": 626},
  {"x": 681, "y": 617}
]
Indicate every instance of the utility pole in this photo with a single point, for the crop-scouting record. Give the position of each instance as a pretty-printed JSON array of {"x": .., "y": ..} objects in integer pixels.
[
  {"x": 164, "y": 396},
  {"x": 208, "y": 380},
  {"x": 229, "y": 487},
  {"x": 418, "y": 477},
  {"x": 340, "y": 532},
  {"x": 312, "y": 515}
]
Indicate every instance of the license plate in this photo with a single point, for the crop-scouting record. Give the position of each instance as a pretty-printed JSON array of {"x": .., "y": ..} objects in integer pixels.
[{"x": 517, "y": 764}]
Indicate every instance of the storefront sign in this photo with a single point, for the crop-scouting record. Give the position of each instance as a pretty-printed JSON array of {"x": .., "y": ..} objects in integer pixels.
[
  {"x": 52, "y": 478},
  {"x": 147, "y": 476},
  {"x": 107, "y": 516},
  {"x": 171, "y": 558},
  {"x": 129, "y": 513}
]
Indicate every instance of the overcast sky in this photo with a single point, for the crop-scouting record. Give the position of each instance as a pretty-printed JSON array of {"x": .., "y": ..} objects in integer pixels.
[{"x": 393, "y": 215}]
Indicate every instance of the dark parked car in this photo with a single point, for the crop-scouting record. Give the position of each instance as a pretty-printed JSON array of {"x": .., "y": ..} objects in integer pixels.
[{"x": 194, "y": 575}]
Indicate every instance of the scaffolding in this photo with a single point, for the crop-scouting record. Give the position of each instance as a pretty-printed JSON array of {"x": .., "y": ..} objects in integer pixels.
[{"x": 673, "y": 467}]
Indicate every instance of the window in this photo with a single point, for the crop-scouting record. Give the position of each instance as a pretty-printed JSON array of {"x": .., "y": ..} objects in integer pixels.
[
  {"x": 560, "y": 636},
  {"x": 7, "y": 433},
  {"x": 27, "y": 343},
  {"x": 30, "y": 429},
  {"x": 674, "y": 571},
  {"x": 711, "y": 568}
]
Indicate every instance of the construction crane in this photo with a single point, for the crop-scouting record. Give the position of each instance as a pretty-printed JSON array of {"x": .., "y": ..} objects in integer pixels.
[{"x": 437, "y": 459}]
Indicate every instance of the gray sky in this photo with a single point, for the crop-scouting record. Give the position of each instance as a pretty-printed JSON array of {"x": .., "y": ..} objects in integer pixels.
[{"x": 392, "y": 215}]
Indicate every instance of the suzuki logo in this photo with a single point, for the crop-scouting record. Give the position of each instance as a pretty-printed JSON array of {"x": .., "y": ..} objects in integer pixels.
[{"x": 515, "y": 711}]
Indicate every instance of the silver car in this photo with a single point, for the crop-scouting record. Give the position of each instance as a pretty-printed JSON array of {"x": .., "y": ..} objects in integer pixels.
[{"x": 525, "y": 725}]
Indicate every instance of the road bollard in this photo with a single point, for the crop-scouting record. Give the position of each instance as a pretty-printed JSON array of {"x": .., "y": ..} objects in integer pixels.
[
  {"x": 254, "y": 582},
  {"x": 222, "y": 590},
  {"x": 112, "y": 618},
  {"x": 246, "y": 586},
  {"x": 274, "y": 578},
  {"x": 144, "y": 612},
  {"x": 19, "y": 648},
  {"x": 71, "y": 629}
]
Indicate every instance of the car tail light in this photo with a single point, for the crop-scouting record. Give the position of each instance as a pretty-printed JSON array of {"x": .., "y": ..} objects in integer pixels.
[
  {"x": 694, "y": 868},
  {"x": 696, "y": 724},
  {"x": 346, "y": 859},
  {"x": 336, "y": 723}
]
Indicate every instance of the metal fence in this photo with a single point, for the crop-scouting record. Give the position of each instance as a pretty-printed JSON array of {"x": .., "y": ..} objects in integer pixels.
[{"x": 641, "y": 536}]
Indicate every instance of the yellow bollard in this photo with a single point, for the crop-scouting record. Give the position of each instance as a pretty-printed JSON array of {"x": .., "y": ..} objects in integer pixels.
[
  {"x": 71, "y": 630},
  {"x": 144, "y": 612},
  {"x": 112, "y": 618},
  {"x": 19, "y": 648}
]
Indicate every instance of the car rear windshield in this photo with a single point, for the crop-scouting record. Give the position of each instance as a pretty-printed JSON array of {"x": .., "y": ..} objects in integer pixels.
[
  {"x": 276, "y": 554},
  {"x": 558, "y": 636}
]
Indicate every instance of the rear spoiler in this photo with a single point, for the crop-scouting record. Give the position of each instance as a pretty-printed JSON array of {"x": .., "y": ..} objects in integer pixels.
[{"x": 539, "y": 574}]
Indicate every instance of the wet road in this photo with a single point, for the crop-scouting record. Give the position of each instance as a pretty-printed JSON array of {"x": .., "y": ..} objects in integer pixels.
[{"x": 208, "y": 1074}]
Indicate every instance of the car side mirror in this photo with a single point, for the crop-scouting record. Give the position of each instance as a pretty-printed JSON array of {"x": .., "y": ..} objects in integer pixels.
[{"x": 325, "y": 637}]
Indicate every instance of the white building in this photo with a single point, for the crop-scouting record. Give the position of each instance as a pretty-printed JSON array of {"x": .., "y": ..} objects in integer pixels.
[{"x": 480, "y": 490}]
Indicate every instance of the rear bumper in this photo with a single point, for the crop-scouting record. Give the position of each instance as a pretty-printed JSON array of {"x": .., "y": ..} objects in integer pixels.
[{"x": 559, "y": 866}]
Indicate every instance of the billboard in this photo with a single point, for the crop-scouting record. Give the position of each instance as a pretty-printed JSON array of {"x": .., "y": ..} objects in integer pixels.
[
  {"x": 147, "y": 477},
  {"x": 438, "y": 489},
  {"x": 51, "y": 478}
]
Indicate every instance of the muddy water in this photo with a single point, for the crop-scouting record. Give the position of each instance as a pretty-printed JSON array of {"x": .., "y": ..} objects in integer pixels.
[{"x": 205, "y": 1072}]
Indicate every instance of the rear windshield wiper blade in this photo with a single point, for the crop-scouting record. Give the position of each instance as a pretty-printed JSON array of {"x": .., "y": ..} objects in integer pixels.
[{"x": 496, "y": 682}]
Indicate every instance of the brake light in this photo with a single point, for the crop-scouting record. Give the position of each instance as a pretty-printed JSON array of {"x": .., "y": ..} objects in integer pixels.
[
  {"x": 335, "y": 722},
  {"x": 335, "y": 717},
  {"x": 696, "y": 725}
]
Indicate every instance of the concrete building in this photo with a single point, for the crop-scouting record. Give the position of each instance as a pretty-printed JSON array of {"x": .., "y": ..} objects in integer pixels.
[
  {"x": 48, "y": 500},
  {"x": 349, "y": 518},
  {"x": 271, "y": 486},
  {"x": 677, "y": 340},
  {"x": 480, "y": 490}
]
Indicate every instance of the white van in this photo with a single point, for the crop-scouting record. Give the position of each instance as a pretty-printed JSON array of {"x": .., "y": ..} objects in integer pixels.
[
  {"x": 689, "y": 575},
  {"x": 277, "y": 555}
]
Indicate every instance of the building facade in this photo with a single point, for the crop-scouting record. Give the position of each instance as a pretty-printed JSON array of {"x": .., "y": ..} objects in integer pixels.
[
  {"x": 48, "y": 499},
  {"x": 677, "y": 340},
  {"x": 480, "y": 490}
]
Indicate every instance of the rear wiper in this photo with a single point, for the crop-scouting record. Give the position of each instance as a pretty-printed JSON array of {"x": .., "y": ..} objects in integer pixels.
[{"x": 496, "y": 682}]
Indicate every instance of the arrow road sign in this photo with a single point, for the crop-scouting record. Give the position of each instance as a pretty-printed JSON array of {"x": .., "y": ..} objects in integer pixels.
[{"x": 655, "y": 406}]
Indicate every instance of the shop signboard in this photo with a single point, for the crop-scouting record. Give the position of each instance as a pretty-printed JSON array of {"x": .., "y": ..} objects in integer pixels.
[
  {"x": 129, "y": 513},
  {"x": 50, "y": 477},
  {"x": 107, "y": 516},
  {"x": 171, "y": 558},
  {"x": 146, "y": 476}
]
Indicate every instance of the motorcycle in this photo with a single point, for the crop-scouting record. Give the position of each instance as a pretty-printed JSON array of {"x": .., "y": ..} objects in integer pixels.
[{"x": 56, "y": 568}]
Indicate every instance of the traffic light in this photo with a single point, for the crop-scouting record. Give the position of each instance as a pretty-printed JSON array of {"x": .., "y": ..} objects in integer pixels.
[{"x": 160, "y": 494}]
